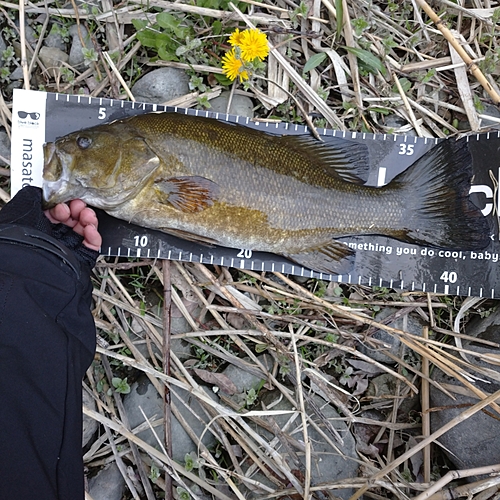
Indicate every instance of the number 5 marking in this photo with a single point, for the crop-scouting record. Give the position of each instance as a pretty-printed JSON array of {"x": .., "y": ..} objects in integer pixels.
[{"x": 102, "y": 114}]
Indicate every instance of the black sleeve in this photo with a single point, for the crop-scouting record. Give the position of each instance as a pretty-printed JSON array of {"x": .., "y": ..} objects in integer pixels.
[{"x": 47, "y": 341}]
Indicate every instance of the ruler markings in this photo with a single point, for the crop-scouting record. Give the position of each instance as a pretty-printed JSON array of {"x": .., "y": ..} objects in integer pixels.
[{"x": 396, "y": 138}]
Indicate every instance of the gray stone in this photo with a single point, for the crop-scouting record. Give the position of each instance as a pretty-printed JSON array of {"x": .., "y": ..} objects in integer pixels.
[
  {"x": 383, "y": 388},
  {"x": 16, "y": 84},
  {"x": 244, "y": 380},
  {"x": 3, "y": 46},
  {"x": 76, "y": 57},
  {"x": 180, "y": 347},
  {"x": 494, "y": 113},
  {"x": 475, "y": 442},
  {"x": 53, "y": 58},
  {"x": 4, "y": 147},
  {"x": 144, "y": 395},
  {"x": 241, "y": 105},
  {"x": 408, "y": 323},
  {"x": 89, "y": 424},
  {"x": 17, "y": 74},
  {"x": 161, "y": 85},
  {"x": 31, "y": 36},
  {"x": 327, "y": 464},
  {"x": 487, "y": 328},
  {"x": 54, "y": 39},
  {"x": 108, "y": 484}
]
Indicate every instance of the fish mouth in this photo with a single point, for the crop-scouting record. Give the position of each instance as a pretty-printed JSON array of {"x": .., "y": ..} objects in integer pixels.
[{"x": 55, "y": 182}]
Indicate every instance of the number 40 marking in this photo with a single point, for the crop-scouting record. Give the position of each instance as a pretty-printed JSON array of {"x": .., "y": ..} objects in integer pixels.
[{"x": 449, "y": 277}]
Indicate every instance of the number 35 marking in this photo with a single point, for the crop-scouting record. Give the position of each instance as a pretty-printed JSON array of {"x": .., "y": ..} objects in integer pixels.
[{"x": 406, "y": 149}]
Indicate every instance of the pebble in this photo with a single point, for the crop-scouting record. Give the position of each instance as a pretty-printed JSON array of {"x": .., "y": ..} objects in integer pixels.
[
  {"x": 144, "y": 395},
  {"x": 53, "y": 58},
  {"x": 17, "y": 74},
  {"x": 161, "y": 85},
  {"x": 244, "y": 380},
  {"x": 475, "y": 442},
  {"x": 494, "y": 113},
  {"x": 327, "y": 464},
  {"x": 55, "y": 40},
  {"x": 4, "y": 147},
  {"x": 409, "y": 323},
  {"x": 31, "y": 36},
  {"x": 107, "y": 484},
  {"x": 89, "y": 424},
  {"x": 3, "y": 46},
  {"x": 76, "y": 57},
  {"x": 241, "y": 105}
]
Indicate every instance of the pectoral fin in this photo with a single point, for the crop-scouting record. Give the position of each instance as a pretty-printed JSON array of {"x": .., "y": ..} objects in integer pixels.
[
  {"x": 189, "y": 194},
  {"x": 332, "y": 258}
]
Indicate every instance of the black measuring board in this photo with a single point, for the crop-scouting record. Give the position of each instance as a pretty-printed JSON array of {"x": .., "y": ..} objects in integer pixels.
[{"x": 380, "y": 261}]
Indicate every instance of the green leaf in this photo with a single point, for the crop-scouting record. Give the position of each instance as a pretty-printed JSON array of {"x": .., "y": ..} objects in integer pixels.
[
  {"x": 217, "y": 27},
  {"x": 372, "y": 62},
  {"x": 147, "y": 37},
  {"x": 222, "y": 79},
  {"x": 314, "y": 61},
  {"x": 166, "y": 54},
  {"x": 139, "y": 24},
  {"x": 167, "y": 21}
]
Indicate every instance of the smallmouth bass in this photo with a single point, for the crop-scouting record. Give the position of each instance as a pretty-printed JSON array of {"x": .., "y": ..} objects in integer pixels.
[{"x": 226, "y": 184}]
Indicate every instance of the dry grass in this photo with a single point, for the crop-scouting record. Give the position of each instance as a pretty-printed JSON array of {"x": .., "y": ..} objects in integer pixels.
[{"x": 409, "y": 71}]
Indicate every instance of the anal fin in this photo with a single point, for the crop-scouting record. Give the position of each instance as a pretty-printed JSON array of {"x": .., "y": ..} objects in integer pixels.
[{"x": 331, "y": 258}]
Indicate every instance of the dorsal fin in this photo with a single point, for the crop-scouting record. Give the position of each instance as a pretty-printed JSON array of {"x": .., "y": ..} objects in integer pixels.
[{"x": 339, "y": 158}]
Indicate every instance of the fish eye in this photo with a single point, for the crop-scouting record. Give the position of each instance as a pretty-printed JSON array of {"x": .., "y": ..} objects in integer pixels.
[{"x": 83, "y": 142}]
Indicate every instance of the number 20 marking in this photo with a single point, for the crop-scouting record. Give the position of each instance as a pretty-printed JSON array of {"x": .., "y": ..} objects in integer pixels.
[
  {"x": 244, "y": 254},
  {"x": 406, "y": 149}
]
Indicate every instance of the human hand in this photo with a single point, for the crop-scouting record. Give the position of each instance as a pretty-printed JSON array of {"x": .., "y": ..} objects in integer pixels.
[{"x": 80, "y": 218}]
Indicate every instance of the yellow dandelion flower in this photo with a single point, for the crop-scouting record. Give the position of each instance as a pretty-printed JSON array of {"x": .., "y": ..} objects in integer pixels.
[
  {"x": 253, "y": 44},
  {"x": 235, "y": 38},
  {"x": 232, "y": 67}
]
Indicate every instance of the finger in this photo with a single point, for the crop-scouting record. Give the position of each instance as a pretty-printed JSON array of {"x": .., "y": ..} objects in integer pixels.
[
  {"x": 91, "y": 237},
  {"x": 88, "y": 217},
  {"x": 76, "y": 207},
  {"x": 59, "y": 213}
]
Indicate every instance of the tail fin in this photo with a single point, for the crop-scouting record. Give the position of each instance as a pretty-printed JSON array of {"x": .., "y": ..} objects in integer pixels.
[{"x": 436, "y": 192}]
